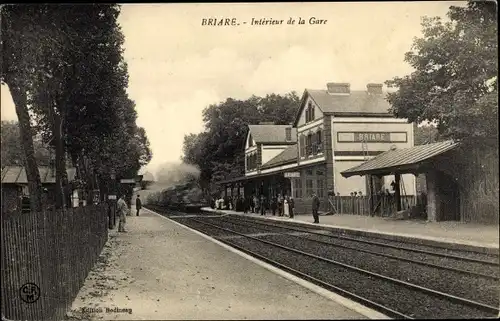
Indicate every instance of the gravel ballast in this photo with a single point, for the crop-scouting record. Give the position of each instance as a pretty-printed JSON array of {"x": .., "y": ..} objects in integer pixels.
[
  {"x": 476, "y": 267},
  {"x": 397, "y": 297},
  {"x": 410, "y": 243},
  {"x": 472, "y": 288}
]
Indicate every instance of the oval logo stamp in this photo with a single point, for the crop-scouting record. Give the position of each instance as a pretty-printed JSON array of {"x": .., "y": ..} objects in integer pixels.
[{"x": 29, "y": 292}]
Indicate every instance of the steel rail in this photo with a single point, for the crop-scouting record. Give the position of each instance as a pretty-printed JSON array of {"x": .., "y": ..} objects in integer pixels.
[
  {"x": 449, "y": 297},
  {"x": 372, "y": 252},
  {"x": 457, "y": 257},
  {"x": 369, "y": 303}
]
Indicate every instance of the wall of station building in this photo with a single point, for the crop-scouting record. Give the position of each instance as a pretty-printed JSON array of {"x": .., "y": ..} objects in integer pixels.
[
  {"x": 346, "y": 134},
  {"x": 380, "y": 135},
  {"x": 312, "y": 178},
  {"x": 346, "y": 151}
]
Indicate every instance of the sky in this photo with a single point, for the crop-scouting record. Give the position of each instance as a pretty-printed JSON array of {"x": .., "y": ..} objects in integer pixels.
[{"x": 178, "y": 67}]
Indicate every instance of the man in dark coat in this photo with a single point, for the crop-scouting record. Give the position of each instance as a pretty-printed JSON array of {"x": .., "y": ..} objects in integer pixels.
[
  {"x": 315, "y": 207},
  {"x": 274, "y": 204},
  {"x": 291, "y": 204},
  {"x": 262, "y": 205},
  {"x": 138, "y": 204}
]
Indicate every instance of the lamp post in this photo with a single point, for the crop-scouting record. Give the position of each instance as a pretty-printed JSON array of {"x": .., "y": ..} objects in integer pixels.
[{"x": 112, "y": 199}]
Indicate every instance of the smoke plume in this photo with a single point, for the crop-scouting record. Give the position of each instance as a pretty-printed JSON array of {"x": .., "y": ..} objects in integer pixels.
[{"x": 171, "y": 174}]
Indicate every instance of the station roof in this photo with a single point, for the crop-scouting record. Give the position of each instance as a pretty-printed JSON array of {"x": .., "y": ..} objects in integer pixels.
[
  {"x": 289, "y": 155},
  {"x": 400, "y": 160},
  {"x": 17, "y": 175},
  {"x": 272, "y": 133},
  {"x": 356, "y": 102}
]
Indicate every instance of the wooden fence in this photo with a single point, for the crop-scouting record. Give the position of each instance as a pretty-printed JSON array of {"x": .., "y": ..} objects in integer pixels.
[
  {"x": 385, "y": 205},
  {"x": 46, "y": 257}
]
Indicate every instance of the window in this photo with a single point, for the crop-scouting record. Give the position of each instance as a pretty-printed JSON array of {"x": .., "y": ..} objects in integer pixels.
[
  {"x": 302, "y": 146},
  {"x": 309, "y": 172},
  {"x": 297, "y": 191},
  {"x": 320, "y": 188},
  {"x": 314, "y": 144},
  {"x": 309, "y": 149},
  {"x": 319, "y": 141},
  {"x": 288, "y": 133},
  {"x": 251, "y": 162},
  {"x": 309, "y": 187},
  {"x": 320, "y": 173},
  {"x": 309, "y": 112}
]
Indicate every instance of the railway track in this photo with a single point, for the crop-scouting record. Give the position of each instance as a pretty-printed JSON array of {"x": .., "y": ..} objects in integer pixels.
[
  {"x": 486, "y": 267},
  {"x": 322, "y": 263}
]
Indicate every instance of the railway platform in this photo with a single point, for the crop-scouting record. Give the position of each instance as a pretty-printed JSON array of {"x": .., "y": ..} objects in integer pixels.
[
  {"x": 163, "y": 270},
  {"x": 448, "y": 234}
]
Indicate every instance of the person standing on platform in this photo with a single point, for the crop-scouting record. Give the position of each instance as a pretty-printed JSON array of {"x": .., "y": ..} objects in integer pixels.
[
  {"x": 122, "y": 209},
  {"x": 291, "y": 204},
  {"x": 315, "y": 207},
  {"x": 286, "y": 208},
  {"x": 246, "y": 204},
  {"x": 255, "y": 204},
  {"x": 280, "y": 205},
  {"x": 138, "y": 204},
  {"x": 274, "y": 205},
  {"x": 262, "y": 205}
]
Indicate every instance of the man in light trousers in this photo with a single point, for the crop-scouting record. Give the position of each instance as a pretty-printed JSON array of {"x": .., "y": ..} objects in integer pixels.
[{"x": 122, "y": 209}]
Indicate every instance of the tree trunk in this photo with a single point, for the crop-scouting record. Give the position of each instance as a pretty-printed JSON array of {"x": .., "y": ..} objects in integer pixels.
[
  {"x": 61, "y": 174},
  {"x": 30, "y": 164}
]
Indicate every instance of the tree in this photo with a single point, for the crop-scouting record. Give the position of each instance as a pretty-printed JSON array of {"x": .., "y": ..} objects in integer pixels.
[
  {"x": 425, "y": 134},
  {"x": 76, "y": 88},
  {"x": 12, "y": 151},
  {"x": 219, "y": 151},
  {"x": 455, "y": 79},
  {"x": 20, "y": 44}
]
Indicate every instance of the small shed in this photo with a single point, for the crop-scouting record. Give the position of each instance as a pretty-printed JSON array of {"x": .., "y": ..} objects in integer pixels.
[
  {"x": 15, "y": 185},
  {"x": 443, "y": 192}
]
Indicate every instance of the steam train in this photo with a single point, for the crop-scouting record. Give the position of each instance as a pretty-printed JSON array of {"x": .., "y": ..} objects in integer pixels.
[{"x": 187, "y": 197}]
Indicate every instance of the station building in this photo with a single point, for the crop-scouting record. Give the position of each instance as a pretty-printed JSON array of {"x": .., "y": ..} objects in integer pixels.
[{"x": 335, "y": 129}]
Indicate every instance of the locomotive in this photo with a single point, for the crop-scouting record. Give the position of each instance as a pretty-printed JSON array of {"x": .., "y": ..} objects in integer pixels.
[{"x": 186, "y": 197}]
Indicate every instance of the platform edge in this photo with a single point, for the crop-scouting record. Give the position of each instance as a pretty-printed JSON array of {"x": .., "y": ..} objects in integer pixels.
[{"x": 352, "y": 305}]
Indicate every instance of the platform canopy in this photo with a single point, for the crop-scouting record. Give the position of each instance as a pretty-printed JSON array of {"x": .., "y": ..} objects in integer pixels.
[
  {"x": 404, "y": 160},
  {"x": 251, "y": 177}
]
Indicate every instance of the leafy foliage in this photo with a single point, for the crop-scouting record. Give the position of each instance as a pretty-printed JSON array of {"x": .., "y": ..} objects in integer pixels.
[
  {"x": 12, "y": 151},
  {"x": 219, "y": 151},
  {"x": 69, "y": 59},
  {"x": 455, "y": 79},
  {"x": 425, "y": 134}
]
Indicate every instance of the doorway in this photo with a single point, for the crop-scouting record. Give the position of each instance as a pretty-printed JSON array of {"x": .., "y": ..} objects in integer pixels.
[{"x": 449, "y": 192}]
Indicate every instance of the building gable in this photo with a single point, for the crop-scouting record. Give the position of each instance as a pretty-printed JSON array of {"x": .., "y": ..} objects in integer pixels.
[
  {"x": 250, "y": 142},
  {"x": 310, "y": 111},
  {"x": 306, "y": 102}
]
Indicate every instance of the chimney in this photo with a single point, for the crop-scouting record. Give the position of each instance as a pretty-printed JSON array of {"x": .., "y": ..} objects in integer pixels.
[
  {"x": 374, "y": 89},
  {"x": 338, "y": 88}
]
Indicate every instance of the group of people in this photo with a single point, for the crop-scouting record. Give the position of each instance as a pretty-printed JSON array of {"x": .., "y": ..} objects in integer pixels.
[
  {"x": 283, "y": 205},
  {"x": 278, "y": 204},
  {"x": 123, "y": 210}
]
